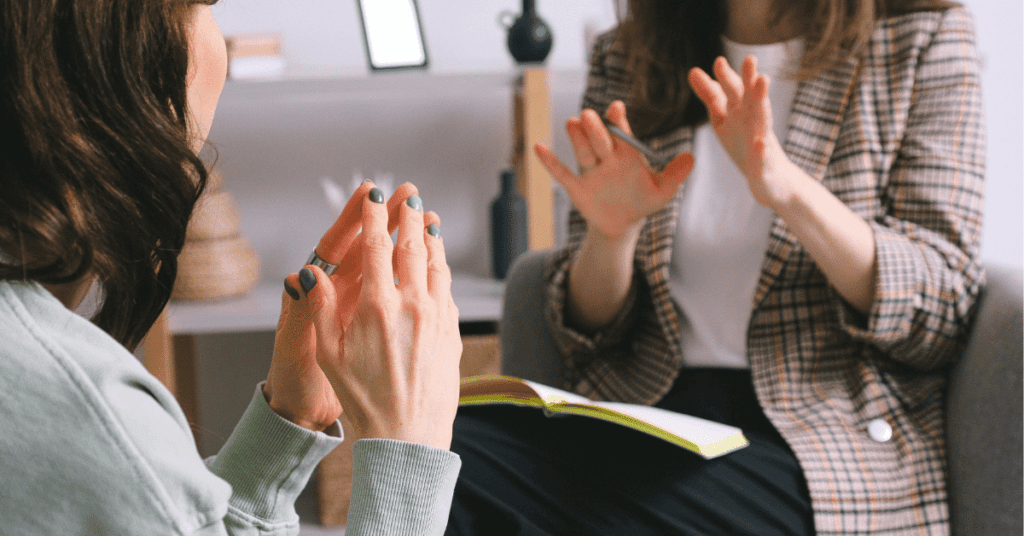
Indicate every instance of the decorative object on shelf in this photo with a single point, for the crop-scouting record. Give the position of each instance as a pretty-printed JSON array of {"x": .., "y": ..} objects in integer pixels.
[
  {"x": 529, "y": 37},
  {"x": 217, "y": 261},
  {"x": 254, "y": 56},
  {"x": 508, "y": 225},
  {"x": 393, "y": 34}
]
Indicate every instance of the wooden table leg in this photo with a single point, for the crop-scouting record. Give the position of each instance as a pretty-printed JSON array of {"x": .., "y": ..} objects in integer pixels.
[
  {"x": 172, "y": 360},
  {"x": 532, "y": 125}
]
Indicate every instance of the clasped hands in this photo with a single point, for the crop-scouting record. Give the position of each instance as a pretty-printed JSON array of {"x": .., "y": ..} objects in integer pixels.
[
  {"x": 386, "y": 353},
  {"x": 617, "y": 189}
]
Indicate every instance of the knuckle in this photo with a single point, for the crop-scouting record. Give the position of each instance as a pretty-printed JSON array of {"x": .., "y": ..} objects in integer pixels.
[
  {"x": 412, "y": 247},
  {"x": 377, "y": 243},
  {"x": 438, "y": 268}
]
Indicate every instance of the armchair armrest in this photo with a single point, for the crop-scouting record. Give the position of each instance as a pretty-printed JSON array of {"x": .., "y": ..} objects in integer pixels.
[
  {"x": 984, "y": 426},
  {"x": 527, "y": 348}
]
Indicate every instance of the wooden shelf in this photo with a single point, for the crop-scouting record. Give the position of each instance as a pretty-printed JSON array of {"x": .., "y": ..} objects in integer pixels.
[
  {"x": 404, "y": 85},
  {"x": 478, "y": 299}
]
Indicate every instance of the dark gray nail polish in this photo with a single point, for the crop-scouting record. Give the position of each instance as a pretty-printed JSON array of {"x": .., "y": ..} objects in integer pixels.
[
  {"x": 307, "y": 279},
  {"x": 291, "y": 292},
  {"x": 376, "y": 195},
  {"x": 434, "y": 231},
  {"x": 415, "y": 202}
]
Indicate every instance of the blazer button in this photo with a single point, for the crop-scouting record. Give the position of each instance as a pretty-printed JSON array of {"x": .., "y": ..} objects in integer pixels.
[{"x": 879, "y": 430}]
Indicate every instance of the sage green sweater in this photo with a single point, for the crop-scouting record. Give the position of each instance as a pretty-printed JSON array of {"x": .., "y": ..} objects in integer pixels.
[{"x": 91, "y": 443}]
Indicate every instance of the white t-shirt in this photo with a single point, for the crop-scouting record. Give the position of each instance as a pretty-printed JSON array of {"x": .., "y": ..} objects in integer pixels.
[{"x": 722, "y": 233}]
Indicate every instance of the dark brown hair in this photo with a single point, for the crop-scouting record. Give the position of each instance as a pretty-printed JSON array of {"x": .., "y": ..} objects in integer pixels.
[
  {"x": 98, "y": 177},
  {"x": 664, "y": 39}
]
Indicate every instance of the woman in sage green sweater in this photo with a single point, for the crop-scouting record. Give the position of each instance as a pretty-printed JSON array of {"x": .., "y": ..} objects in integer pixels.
[{"x": 103, "y": 107}]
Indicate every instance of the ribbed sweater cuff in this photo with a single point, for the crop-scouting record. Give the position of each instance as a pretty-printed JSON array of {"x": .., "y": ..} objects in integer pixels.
[
  {"x": 268, "y": 461},
  {"x": 401, "y": 488}
]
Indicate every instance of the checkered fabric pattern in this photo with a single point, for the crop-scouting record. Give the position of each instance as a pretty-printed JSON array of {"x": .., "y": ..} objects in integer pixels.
[{"x": 897, "y": 135}]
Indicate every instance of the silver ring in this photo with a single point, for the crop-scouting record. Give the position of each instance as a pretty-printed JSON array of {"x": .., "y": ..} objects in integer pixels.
[{"x": 327, "y": 267}]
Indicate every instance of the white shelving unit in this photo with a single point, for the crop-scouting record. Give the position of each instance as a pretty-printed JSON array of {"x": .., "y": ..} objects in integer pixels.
[{"x": 478, "y": 300}]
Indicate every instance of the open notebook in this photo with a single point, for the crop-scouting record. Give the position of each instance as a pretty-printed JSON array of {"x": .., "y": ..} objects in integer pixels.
[{"x": 707, "y": 438}]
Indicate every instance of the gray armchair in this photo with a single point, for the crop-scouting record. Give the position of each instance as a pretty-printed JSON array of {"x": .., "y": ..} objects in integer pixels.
[{"x": 984, "y": 400}]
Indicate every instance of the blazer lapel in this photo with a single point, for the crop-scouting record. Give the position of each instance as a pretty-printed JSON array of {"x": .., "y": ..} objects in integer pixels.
[{"x": 812, "y": 129}]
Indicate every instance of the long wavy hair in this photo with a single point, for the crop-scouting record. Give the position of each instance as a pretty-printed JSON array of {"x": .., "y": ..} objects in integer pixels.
[
  {"x": 664, "y": 39},
  {"x": 98, "y": 177}
]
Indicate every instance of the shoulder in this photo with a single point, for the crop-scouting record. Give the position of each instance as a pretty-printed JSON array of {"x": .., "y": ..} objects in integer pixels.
[
  {"x": 608, "y": 79},
  {"x": 923, "y": 50},
  {"x": 907, "y": 35},
  {"x": 84, "y": 433}
]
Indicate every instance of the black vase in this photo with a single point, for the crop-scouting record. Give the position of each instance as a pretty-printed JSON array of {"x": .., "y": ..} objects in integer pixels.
[
  {"x": 508, "y": 225},
  {"x": 529, "y": 37}
]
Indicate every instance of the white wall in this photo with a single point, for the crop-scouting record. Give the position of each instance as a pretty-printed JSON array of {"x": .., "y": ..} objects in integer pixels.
[
  {"x": 1001, "y": 40},
  {"x": 322, "y": 38}
]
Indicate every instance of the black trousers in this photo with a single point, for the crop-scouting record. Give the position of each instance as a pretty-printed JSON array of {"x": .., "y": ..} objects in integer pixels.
[{"x": 527, "y": 474}]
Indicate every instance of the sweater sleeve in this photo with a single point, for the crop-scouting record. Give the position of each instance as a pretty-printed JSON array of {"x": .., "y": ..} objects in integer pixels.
[
  {"x": 268, "y": 461},
  {"x": 928, "y": 273},
  {"x": 400, "y": 488}
]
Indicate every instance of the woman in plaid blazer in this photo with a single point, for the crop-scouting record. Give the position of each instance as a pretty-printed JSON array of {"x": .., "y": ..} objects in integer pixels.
[{"x": 871, "y": 273}]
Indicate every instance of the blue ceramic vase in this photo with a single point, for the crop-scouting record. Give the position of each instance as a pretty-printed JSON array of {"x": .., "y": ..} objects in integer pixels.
[
  {"x": 529, "y": 37},
  {"x": 508, "y": 225}
]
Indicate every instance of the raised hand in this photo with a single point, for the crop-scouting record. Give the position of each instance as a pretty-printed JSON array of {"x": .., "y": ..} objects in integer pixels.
[
  {"x": 296, "y": 388},
  {"x": 393, "y": 361},
  {"x": 616, "y": 187},
  {"x": 741, "y": 115}
]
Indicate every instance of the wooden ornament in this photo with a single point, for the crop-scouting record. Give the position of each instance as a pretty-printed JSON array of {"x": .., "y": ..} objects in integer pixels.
[{"x": 216, "y": 261}]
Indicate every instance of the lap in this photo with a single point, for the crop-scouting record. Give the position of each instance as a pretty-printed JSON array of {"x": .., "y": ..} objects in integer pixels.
[{"x": 524, "y": 473}]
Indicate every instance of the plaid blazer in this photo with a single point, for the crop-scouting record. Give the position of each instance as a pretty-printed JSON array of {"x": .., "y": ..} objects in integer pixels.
[{"x": 897, "y": 135}]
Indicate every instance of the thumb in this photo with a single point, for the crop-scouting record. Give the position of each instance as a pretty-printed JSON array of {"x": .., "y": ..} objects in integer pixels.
[
  {"x": 295, "y": 320},
  {"x": 675, "y": 173},
  {"x": 318, "y": 296}
]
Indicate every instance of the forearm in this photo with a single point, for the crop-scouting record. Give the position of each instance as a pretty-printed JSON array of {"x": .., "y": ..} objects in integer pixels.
[
  {"x": 600, "y": 277},
  {"x": 840, "y": 242}
]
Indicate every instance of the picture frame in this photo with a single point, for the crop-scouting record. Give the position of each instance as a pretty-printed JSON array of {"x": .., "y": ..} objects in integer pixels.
[{"x": 393, "y": 34}]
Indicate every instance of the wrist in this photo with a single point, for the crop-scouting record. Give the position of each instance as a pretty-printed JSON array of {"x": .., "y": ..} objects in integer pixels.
[
  {"x": 627, "y": 238},
  {"x": 285, "y": 413},
  {"x": 788, "y": 187}
]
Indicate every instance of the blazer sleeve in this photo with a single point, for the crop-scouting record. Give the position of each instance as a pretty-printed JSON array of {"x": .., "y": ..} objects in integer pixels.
[
  {"x": 927, "y": 242},
  {"x": 575, "y": 345}
]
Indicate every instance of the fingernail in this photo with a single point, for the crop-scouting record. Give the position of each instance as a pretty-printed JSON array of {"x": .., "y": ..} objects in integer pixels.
[
  {"x": 434, "y": 231},
  {"x": 307, "y": 279},
  {"x": 415, "y": 202},
  {"x": 291, "y": 292},
  {"x": 376, "y": 195}
]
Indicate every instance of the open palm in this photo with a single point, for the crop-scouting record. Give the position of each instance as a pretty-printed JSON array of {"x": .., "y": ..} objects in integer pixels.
[
  {"x": 616, "y": 188},
  {"x": 741, "y": 115}
]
